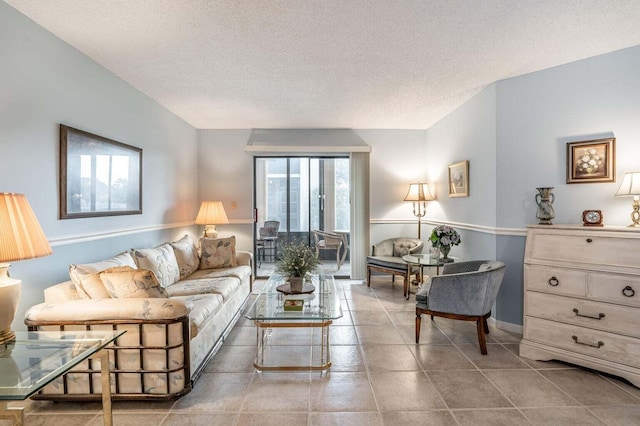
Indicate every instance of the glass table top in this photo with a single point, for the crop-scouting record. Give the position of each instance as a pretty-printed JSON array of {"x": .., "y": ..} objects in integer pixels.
[
  {"x": 423, "y": 259},
  {"x": 321, "y": 305},
  {"x": 34, "y": 359}
]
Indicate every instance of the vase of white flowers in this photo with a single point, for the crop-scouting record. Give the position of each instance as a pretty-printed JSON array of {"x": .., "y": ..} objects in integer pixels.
[
  {"x": 296, "y": 261},
  {"x": 443, "y": 237}
]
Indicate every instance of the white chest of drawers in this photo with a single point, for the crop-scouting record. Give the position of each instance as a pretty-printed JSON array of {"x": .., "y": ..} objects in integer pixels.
[{"x": 582, "y": 297}]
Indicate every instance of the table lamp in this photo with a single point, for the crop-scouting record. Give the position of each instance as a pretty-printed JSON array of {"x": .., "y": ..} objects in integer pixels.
[
  {"x": 211, "y": 214},
  {"x": 419, "y": 192},
  {"x": 21, "y": 238},
  {"x": 631, "y": 186}
]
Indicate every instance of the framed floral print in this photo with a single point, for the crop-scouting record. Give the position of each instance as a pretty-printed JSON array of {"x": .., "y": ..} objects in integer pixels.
[
  {"x": 459, "y": 179},
  {"x": 591, "y": 161}
]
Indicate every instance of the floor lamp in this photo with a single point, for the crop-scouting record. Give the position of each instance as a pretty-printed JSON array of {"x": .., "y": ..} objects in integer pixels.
[
  {"x": 419, "y": 194},
  {"x": 20, "y": 238}
]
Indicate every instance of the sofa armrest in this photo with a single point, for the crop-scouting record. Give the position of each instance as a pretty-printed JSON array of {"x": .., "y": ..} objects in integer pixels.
[
  {"x": 73, "y": 311},
  {"x": 244, "y": 258}
]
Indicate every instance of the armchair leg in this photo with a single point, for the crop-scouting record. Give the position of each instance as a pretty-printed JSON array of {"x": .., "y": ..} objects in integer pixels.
[
  {"x": 418, "y": 325},
  {"x": 406, "y": 288},
  {"x": 483, "y": 328},
  {"x": 368, "y": 277}
]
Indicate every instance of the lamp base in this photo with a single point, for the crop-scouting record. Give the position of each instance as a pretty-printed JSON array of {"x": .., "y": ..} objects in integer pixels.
[
  {"x": 210, "y": 231},
  {"x": 635, "y": 215},
  {"x": 9, "y": 297}
]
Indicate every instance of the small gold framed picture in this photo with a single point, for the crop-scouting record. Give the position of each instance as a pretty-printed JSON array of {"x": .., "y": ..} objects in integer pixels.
[
  {"x": 591, "y": 161},
  {"x": 459, "y": 179}
]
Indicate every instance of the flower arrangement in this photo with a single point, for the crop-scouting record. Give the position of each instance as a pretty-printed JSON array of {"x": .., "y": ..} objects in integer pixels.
[
  {"x": 296, "y": 260},
  {"x": 444, "y": 236},
  {"x": 589, "y": 162}
]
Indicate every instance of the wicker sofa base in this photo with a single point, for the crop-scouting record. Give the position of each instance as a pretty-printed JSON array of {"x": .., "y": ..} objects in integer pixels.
[{"x": 153, "y": 338}]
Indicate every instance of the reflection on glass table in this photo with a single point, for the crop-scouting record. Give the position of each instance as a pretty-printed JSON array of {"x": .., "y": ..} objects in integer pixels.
[
  {"x": 425, "y": 261},
  {"x": 35, "y": 359}
]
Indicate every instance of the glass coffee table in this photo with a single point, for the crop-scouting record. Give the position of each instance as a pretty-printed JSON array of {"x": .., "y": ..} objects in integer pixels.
[
  {"x": 317, "y": 309},
  {"x": 36, "y": 358}
]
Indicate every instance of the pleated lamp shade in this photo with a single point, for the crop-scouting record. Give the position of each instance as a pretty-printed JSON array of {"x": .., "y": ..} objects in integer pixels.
[
  {"x": 211, "y": 214},
  {"x": 21, "y": 236}
]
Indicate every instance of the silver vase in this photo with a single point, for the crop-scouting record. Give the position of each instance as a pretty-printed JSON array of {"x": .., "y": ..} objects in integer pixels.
[{"x": 544, "y": 200}]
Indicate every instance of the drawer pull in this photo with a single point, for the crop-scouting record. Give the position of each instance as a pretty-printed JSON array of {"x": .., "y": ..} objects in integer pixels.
[
  {"x": 553, "y": 281},
  {"x": 589, "y": 240},
  {"x": 628, "y": 291},
  {"x": 597, "y": 345},
  {"x": 598, "y": 317}
]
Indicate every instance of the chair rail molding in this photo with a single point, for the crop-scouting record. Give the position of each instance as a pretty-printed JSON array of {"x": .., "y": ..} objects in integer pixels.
[
  {"x": 516, "y": 232},
  {"x": 75, "y": 239}
]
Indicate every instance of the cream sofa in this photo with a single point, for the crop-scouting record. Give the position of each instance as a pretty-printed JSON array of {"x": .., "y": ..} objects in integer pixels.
[{"x": 175, "y": 319}]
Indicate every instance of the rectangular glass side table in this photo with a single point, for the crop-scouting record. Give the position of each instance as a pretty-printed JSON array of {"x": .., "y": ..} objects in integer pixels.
[
  {"x": 36, "y": 358},
  {"x": 320, "y": 309}
]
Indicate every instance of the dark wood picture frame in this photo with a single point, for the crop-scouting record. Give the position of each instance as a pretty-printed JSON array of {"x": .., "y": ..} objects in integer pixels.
[
  {"x": 98, "y": 176},
  {"x": 591, "y": 161}
]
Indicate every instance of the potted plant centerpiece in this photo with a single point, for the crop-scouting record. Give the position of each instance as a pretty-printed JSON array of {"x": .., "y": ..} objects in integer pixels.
[
  {"x": 443, "y": 237},
  {"x": 297, "y": 260}
]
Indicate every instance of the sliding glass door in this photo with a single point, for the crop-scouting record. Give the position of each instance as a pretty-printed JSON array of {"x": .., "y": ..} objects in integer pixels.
[{"x": 300, "y": 195}]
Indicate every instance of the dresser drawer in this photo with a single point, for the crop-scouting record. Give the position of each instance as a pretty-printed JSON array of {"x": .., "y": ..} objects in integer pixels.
[
  {"x": 597, "y": 315},
  {"x": 555, "y": 280},
  {"x": 598, "y": 344},
  {"x": 584, "y": 246},
  {"x": 623, "y": 289}
]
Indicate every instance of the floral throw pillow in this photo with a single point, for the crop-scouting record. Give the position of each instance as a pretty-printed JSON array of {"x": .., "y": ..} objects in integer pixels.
[
  {"x": 124, "y": 282},
  {"x": 161, "y": 261},
  {"x": 218, "y": 253},
  {"x": 87, "y": 281},
  {"x": 186, "y": 256}
]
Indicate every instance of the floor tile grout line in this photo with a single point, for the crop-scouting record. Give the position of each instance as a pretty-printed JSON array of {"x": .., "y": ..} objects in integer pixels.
[
  {"x": 608, "y": 379},
  {"x": 442, "y": 399}
]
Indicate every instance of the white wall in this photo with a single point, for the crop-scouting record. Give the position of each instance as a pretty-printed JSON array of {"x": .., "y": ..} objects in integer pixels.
[
  {"x": 397, "y": 158},
  {"x": 225, "y": 173},
  {"x": 44, "y": 82}
]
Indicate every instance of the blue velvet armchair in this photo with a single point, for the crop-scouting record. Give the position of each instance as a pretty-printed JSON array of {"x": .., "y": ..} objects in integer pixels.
[{"x": 465, "y": 291}]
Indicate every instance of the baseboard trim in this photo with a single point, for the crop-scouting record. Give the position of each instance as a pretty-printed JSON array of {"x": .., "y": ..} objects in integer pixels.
[{"x": 506, "y": 326}]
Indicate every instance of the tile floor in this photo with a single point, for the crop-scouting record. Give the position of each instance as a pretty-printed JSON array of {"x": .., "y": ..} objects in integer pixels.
[{"x": 379, "y": 377}]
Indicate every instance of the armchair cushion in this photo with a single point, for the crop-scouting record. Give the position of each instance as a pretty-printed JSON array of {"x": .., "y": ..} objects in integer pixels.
[
  {"x": 403, "y": 247},
  {"x": 465, "y": 293},
  {"x": 397, "y": 247},
  {"x": 387, "y": 262}
]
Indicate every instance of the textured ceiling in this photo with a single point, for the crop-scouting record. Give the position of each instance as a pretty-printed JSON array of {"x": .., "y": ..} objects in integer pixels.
[{"x": 330, "y": 63}]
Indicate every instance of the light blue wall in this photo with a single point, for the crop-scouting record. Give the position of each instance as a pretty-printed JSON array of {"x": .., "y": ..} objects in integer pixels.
[
  {"x": 539, "y": 113},
  {"x": 515, "y": 133},
  {"x": 44, "y": 82}
]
